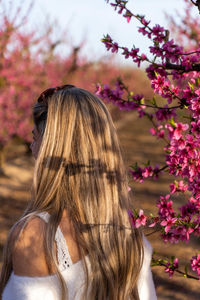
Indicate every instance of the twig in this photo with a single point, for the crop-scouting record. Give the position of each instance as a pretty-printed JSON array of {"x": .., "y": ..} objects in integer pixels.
[
  {"x": 178, "y": 271},
  {"x": 197, "y": 3}
]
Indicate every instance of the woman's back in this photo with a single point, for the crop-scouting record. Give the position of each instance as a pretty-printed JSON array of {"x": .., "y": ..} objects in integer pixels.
[
  {"x": 30, "y": 279},
  {"x": 79, "y": 166}
]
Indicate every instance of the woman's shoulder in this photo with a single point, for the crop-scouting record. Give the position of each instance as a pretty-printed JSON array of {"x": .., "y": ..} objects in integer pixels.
[
  {"x": 33, "y": 229},
  {"x": 28, "y": 257}
]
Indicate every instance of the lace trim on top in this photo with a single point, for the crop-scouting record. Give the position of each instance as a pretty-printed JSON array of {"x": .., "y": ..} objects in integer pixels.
[{"x": 64, "y": 259}]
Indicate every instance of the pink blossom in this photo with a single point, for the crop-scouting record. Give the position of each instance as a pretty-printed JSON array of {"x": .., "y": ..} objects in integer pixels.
[
  {"x": 165, "y": 114},
  {"x": 133, "y": 53},
  {"x": 195, "y": 264},
  {"x": 143, "y": 56},
  {"x": 165, "y": 207},
  {"x": 168, "y": 223},
  {"x": 126, "y": 52},
  {"x": 158, "y": 32},
  {"x": 178, "y": 187},
  {"x": 155, "y": 221},
  {"x": 144, "y": 31},
  {"x": 159, "y": 84},
  {"x": 147, "y": 172},
  {"x": 145, "y": 22},
  {"x": 159, "y": 132},
  {"x": 171, "y": 267},
  {"x": 141, "y": 220},
  {"x": 128, "y": 15},
  {"x": 178, "y": 131},
  {"x": 108, "y": 42},
  {"x": 115, "y": 47},
  {"x": 138, "y": 220}
]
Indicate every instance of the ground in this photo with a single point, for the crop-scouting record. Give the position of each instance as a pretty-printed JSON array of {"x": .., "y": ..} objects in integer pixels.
[{"x": 138, "y": 145}]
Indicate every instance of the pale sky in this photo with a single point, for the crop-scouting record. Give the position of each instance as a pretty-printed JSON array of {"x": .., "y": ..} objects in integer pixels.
[{"x": 89, "y": 20}]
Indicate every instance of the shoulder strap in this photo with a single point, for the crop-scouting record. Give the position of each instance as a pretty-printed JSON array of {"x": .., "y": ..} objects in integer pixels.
[
  {"x": 44, "y": 215},
  {"x": 64, "y": 259}
]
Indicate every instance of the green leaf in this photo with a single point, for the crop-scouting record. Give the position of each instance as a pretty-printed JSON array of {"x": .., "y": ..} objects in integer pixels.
[
  {"x": 135, "y": 212},
  {"x": 156, "y": 73},
  {"x": 191, "y": 86},
  {"x": 197, "y": 82},
  {"x": 168, "y": 151},
  {"x": 142, "y": 101},
  {"x": 135, "y": 166},
  {"x": 186, "y": 271},
  {"x": 172, "y": 122},
  {"x": 172, "y": 259},
  {"x": 165, "y": 261},
  {"x": 156, "y": 43},
  {"x": 154, "y": 101},
  {"x": 147, "y": 163}
]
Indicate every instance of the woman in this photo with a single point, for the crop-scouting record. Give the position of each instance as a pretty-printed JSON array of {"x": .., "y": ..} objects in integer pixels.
[{"x": 75, "y": 240}]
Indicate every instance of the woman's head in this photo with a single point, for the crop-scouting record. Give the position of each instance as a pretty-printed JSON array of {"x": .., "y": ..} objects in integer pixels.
[
  {"x": 79, "y": 167},
  {"x": 40, "y": 115},
  {"x": 75, "y": 135}
]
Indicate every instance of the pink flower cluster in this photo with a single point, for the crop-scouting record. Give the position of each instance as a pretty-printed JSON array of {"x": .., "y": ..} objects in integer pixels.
[
  {"x": 195, "y": 264},
  {"x": 140, "y": 174},
  {"x": 171, "y": 267},
  {"x": 114, "y": 96},
  {"x": 137, "y": 219},
  {"x": 173, "y": 72},
  {"x": 178, "y": 187}
]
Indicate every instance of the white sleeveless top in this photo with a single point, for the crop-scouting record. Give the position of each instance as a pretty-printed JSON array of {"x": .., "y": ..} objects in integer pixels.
[{"x": 47, "y": 287}]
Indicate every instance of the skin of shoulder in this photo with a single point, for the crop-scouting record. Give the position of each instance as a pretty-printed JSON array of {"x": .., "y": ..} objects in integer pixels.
[{"x": 28, "y": 257}]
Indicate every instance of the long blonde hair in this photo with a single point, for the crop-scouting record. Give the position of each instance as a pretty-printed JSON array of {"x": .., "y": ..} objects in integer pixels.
[{"x": 80, "y": 168}]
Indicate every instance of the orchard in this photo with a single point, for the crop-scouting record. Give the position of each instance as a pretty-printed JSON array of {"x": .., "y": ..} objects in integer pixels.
[{"x": 169, "y": 104}]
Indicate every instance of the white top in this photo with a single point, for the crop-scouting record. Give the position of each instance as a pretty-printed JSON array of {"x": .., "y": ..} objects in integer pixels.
[{"x": 47, "y": 287}]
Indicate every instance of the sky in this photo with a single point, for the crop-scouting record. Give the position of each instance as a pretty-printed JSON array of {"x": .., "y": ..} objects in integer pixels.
[{"x": 89, "y": 20}]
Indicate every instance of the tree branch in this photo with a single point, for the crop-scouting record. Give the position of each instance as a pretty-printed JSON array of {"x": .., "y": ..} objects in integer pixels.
[
  {"x": 178, "y": 271},
  {"x": 170, "y": 66},
  {"x": 197, "y": 3}
]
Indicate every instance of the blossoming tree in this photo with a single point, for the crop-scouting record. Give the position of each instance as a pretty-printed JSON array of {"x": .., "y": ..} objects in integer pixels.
[
  {"x": 24, "y": 71},
  {"x": 30, "y": 64},
  {"x": 173, "y": 70}
]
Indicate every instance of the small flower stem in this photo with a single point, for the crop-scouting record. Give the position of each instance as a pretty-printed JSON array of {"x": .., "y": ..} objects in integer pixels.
[
  {"x": 168, "y": 108},
  {"x": 153, "y": 106},
  {"x": 178, "y": 271}
]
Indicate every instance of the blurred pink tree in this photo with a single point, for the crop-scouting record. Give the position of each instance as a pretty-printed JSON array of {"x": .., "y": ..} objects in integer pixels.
[{"x": 30, "y": 64}]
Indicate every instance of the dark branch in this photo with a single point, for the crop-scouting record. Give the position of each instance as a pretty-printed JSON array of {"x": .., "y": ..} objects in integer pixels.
[
  {"x": 170, "y": 66},
  {"x": 197, "y": 3}
]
